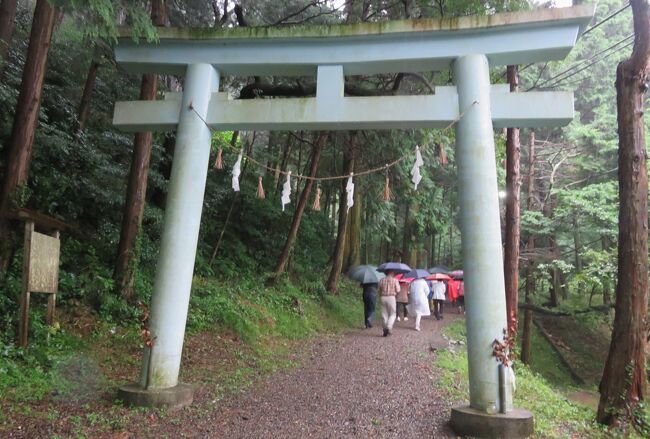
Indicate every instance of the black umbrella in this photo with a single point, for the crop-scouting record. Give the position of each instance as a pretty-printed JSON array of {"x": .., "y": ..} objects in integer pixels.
[
  {"x": 439, "y": 269},
  {"x": 417, "y": 273},
  {"x": 396, "y": 267},
  {"x": 366, "y": 274}
]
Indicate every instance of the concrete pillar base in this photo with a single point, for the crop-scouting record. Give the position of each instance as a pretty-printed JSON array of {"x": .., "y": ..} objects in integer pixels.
[
  {"x": 173, "y": 398},
  {"x": 467, "y": 421}
]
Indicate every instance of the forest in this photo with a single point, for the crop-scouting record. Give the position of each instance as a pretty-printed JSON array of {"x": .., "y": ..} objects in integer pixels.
[{"x": 268, "y": 276}]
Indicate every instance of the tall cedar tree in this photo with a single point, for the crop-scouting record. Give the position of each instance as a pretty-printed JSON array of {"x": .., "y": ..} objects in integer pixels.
[
  {"x": 84, "y": 105},
  {"x": 513, "y": 183},
  {"x": 302, "y": 203},
  {"x": 124, "y": 273},
  {"x": 530, "y": 268},
  {"x": 7, "y": 25},
  {"x": 337, "y": 258},
  {"x": 624, "y": 383},
  {"x": 19, "y": 148}
]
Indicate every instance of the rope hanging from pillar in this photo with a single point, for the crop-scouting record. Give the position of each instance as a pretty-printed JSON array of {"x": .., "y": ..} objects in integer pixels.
[
  {"x": 218, "y": 163},
  {"x": 286, "y": 188},
  {"x": 388, "y": 194},
  {"x": 442, "y": 157},
  {"x": 260, "y": 188}
]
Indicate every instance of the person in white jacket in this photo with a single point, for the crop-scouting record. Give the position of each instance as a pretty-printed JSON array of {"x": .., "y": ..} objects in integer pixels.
[{"x": 418, "y": 303}]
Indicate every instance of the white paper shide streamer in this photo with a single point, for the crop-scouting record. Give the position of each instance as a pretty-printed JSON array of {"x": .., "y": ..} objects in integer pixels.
[
  {"x": 286, "y": 191},
  {"x": 236, "y": 171},
  {"x": 415, "y": 171},
  {"x": 349, "y": 188}
]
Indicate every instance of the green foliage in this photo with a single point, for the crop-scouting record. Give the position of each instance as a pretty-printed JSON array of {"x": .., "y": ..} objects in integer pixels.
[
  {"x": 29, "y": 374},
  {"x": 253, "y": 312},
  {"x": 95, "y": 19},
  {"x": 555, "y": 416}
]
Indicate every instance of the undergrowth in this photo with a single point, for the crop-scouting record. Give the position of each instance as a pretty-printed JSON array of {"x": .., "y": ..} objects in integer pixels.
[
  {"x": 555, "y": 416},
  {"x": 258, "y": 316}
]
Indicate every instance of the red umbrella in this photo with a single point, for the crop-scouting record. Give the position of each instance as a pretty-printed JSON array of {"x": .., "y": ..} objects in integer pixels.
[
  {"x": 438, "y": 276},
  {"x": 400, "y": 277}
]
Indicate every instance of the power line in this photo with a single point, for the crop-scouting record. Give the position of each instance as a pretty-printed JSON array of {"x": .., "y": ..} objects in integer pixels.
[
  {"x": 587, "y": 66},
  {"x": 578, "y": 64},
  {"x": 606, "y": 19}
]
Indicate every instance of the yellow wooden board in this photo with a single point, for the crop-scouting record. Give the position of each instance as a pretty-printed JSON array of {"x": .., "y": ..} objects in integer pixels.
[{"x": 43, "y": 274}]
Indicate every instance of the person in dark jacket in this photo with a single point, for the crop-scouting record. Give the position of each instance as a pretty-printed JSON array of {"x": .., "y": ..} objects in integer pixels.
[{"x": 369, "y": 301}]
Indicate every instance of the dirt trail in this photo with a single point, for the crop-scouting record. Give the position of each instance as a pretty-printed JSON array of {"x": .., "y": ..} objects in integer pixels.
[{"x": 357, "y": 385}]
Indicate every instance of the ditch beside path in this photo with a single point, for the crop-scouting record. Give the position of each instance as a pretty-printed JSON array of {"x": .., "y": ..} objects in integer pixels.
[{"x": 357, "y": 385}]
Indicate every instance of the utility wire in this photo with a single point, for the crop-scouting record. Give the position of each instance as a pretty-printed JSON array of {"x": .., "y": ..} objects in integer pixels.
[
  {"x": 581, "y": 62},
  {"x": 606, "y": 19},
  {"x": 587, "y": 66}
]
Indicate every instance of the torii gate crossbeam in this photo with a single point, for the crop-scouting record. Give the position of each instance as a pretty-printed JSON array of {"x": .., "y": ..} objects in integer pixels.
[{"x": 469, "y": 45}]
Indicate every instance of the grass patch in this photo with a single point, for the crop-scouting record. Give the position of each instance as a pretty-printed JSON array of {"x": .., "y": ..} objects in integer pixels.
[
  {"x": 555, "y": 416},
  {"x": 545, "y": 361},
  {"x": 254, "y": 312}
]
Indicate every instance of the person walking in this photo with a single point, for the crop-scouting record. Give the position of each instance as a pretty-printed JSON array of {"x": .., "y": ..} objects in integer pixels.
[
  {"x": 369, "y": 301},
  {"x": 439, "y": 290},
  {"x": 388, "y": 289},
  {"x": 418, "y": 303},
  {"x": 402, "y": 300}
]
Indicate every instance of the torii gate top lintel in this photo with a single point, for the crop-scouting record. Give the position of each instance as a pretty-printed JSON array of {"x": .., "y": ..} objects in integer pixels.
[{"x": 362, "y": 48}]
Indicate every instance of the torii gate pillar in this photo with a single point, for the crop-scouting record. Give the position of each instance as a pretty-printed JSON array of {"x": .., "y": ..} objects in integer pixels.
[
  {"x": 169, "y": 305},
  {"x": 490, "y": 411}
]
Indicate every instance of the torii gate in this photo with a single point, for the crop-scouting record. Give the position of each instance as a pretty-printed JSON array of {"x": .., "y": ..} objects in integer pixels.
[{"x": 469, "y": 45}]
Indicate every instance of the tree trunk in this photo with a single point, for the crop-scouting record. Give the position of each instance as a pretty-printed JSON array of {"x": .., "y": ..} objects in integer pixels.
[
  {"x": 406, "y": 234},
  {"x": 606, "y": 245},
  {"x": 432, "y": 260},
  {"x": 451, "y": 236},
  {"x": 7, "y": 25},
  {"x": 302, "y": 202},
  {"x": 124, "y": 273},
  {"x": 353, "y": 234},
  {"x": 624, "y": 383},
  {"x": 554, "y": 288},
  {"x": 19, "y": 148},
  {"x": 577, "y": 246},
  {"x": 84, "y": 105},
  {"x": 513, "y": 183},
  {"x": 530, "y": 266},
  {"x": 285, "y": 160},
  {"x": 412, "y": 255},
  {"x": 367, "y": 239},
  {"x": 337, "y": 258}
]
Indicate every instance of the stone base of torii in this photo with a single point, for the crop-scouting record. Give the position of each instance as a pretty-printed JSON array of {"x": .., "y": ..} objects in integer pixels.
[{"x": 467, "y": 45}]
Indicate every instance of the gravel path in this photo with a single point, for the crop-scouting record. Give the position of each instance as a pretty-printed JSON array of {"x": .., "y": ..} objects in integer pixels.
[{"x": 357, "y": 385}]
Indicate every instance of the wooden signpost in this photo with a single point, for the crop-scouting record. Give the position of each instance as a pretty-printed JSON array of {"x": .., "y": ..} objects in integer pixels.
[{"x": 40, "y": 266}]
